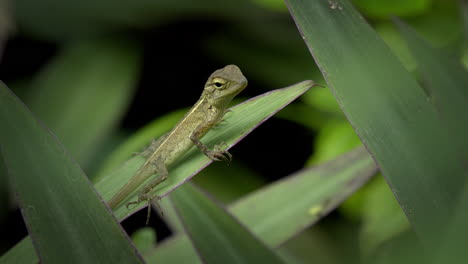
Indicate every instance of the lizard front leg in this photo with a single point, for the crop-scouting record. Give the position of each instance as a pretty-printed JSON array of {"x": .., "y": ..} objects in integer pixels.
[{"x": 217, "y": 153}]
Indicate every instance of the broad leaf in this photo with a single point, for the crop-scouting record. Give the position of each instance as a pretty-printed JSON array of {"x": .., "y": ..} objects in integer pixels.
[{"x": 65, "y": 217}]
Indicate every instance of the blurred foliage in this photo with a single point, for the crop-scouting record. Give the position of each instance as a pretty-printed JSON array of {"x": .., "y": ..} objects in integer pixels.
[
  {"x": 144, "y": 238},
  {"x": 383, "y": 9},
  {"x": 105, "y": 73},
  {"x": 114, "y": 62}
]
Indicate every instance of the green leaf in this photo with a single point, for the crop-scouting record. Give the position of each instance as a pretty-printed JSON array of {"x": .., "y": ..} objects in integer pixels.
[
  {"x": 382, "y": 217},
  {"x": 176, "y": 249},
  {"x": 275, "y": 5},
  {"x": 240, "y": 121},
  {"x": 334, "y": 138},
  {"x": 236, "y": 182},
  {"x": 405, "y": 248},
  {"x": 23, "y": 252},
  {"x": 216, "y": 234},
  {"x": 82, "y": 93},
  {"x": 323, "y": 100},
  {"x": 304, "y": 197},
  {"x": 441, "y": 26},
  {"x": 389, "y": 33},
  {"x": 144, "y": 239},
  {"x": 65, "y": 217},
  {"x": 281, "y": 210},
  {"x": 4, "y": 192},
  {"x": 445, "y": 82},
  {"x": 463, "y": 6},
  {"x": 464, "y": 14},
  {"x": 453, "y": 247},
  {"x": 391, "y": 113}
]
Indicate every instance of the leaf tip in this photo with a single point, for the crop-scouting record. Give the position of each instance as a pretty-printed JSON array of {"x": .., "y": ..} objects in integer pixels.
[{"x": 311, "y": 83}]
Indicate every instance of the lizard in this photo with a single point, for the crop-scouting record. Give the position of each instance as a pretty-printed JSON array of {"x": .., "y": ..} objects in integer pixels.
[{"x": 221, "y": 87}]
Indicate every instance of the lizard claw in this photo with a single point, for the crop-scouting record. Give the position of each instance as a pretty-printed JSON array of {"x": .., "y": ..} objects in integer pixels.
[
  {"x": 219, "y": 154},
  {"x": 227, "y": 157}
]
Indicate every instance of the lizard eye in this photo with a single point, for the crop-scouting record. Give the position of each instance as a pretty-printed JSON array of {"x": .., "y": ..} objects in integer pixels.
[{"x": 219, "y": 83}]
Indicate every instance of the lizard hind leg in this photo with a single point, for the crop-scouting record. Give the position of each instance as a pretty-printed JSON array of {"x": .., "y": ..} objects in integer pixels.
[
  {"x": 145, "y": 193},
  {"x": 160, "y": 169},
  {"x": 147, "y": 196}
]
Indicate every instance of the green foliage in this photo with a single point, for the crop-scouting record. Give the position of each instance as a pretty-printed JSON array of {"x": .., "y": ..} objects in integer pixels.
[
  {"x": 104, "y": 70},
  {"x": 392, "y": 115},
  {"x": 273, "y": 218},
  {"x": 387, "y": 8},
  {"x": 225, "y": 241},
  {"x": 55, "y": 194},
  {"x": 397, "y": 86}
]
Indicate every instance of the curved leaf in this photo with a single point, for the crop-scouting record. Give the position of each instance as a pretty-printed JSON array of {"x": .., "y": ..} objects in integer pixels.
[
  {"x": 394, "y": 116},
  {"x": 65, "y": 217},
  {"x": 217, "y": 235}
]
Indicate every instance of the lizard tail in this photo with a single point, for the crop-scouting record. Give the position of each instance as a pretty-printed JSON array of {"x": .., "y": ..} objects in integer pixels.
[{"x": 130, "y": 186}]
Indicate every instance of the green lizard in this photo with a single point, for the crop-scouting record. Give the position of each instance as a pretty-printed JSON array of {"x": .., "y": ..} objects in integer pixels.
[{"x": 220, "y": 89}]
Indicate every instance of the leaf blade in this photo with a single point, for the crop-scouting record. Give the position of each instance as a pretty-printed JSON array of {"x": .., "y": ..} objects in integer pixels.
[
  {"x": 387, "y": 108},
  {"x": 67, "y": 219},
  {"x": 217, "y": 235}
]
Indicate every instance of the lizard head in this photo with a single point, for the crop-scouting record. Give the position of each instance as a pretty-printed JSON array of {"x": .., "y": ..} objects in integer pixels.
[{"x": 224, "y": 84}]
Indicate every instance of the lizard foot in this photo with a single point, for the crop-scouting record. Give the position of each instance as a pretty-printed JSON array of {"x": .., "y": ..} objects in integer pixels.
[
  {"x": 218, "y": 153},
  {"x": 154, "y": 199}
]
